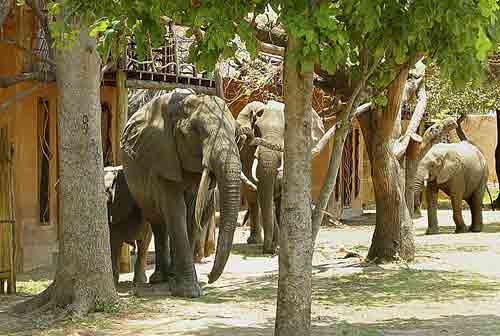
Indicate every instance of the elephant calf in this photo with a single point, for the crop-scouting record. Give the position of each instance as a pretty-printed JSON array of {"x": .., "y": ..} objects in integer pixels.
[
  {"x": 460, "y": 170},
  {"x": 126, "y": 223}
]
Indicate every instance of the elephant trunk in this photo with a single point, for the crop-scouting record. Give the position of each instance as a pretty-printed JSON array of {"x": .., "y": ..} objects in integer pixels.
[
  {"x": 228, "y": 179},
  {"x": 420, "y": 181}
]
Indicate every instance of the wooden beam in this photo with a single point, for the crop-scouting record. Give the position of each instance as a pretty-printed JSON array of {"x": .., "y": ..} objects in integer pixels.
[{"x": 148, "y": 84}]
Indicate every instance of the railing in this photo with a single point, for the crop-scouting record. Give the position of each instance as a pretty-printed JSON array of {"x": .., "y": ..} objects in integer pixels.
[{"x": 168, "y": 63}]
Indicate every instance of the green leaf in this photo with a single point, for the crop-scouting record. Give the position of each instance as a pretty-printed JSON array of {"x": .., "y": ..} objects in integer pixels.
[
  {"x": 379, "y": 100},
  {"x": 99, "y": 27},
  {"x": 483, "y": 45},
  {"x": 307, "y": 66}
]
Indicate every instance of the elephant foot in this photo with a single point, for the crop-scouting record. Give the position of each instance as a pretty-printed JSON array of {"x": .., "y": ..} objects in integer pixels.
[
  {"x": 269, "y": 250},
  {"x": 254, "y": 239},
  {"x": 432, "y": 230},
  {"x": 476, "y": 228},
  {"x": 157, "y": 277},
  {"x": 186, "y": 289},
  {"x": 140, "y": 278},
  {"x": 461, "y": 229}
]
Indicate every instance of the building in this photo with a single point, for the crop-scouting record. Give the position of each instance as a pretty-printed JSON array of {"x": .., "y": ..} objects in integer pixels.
[{"x": 28, "y": 124}]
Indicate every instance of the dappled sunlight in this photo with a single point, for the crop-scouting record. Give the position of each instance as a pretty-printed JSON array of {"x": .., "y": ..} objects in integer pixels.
[{"x": 378, "y": 287}]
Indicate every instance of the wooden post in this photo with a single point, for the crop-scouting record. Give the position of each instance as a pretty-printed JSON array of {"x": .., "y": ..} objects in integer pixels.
[
  {"x": 119, "y": 121},
  {"x": 7, "y": 223},
  {"x": 12, "y": 283},
  {"x": 121, "y": 113}
]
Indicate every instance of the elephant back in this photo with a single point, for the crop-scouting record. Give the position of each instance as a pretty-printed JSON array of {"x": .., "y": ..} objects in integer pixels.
[{"x": 148, "y": 137}]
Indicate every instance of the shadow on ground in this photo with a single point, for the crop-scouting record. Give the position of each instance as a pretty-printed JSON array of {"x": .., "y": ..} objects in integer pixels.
[
  {"x": 372, "y": 287},
  {"x": 487, "y": 228},
  {"x": 456, "y": 325},
  {"x": 249, "y": 250}
]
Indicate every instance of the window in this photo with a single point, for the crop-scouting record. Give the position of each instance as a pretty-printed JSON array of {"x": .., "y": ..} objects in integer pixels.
[{"x": 44, "y": 156}]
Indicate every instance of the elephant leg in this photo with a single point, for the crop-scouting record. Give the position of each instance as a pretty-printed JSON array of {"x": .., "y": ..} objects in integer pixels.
[
  {"x": 173, "y": 210},
  {"x": 268, "y": 222},
  {"x": 255, "y": 224},
  {"x": 142, "y": 252},
  {"x": 476, "y": 205},
  {"x": 431, "y": 193},
  {"x": 163, "y": 260},
  {"x": 116, "y": 246},
  {"x": 456, "y": 204}
]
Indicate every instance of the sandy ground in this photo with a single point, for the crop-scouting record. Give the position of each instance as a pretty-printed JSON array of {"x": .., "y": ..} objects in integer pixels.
[{"x": 453, "y": 288}]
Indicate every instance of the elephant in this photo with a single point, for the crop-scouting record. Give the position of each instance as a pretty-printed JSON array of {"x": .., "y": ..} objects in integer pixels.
[
  {"x": 461, "y": 171},
  {"x": 126, "y": 223},
  {"x": 264, "y": 163},
  {"x": 178, "y": 143}
]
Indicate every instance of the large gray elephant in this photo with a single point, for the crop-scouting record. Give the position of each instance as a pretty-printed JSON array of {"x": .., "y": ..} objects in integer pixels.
[
  {"x": 264, "y": 163},
  {"x": 126, "y": 223},
  {"x": 177, "y": 143},
  {"x": 460, "y": 170}
]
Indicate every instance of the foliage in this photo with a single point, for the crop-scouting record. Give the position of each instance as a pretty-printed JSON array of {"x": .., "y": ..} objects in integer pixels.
[
  {"x": 445, "y": 99},
  {"x": 458, "y": 35}
]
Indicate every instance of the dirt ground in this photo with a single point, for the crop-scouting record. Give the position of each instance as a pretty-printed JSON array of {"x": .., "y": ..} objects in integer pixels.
[{"x": 453, "y": 288}]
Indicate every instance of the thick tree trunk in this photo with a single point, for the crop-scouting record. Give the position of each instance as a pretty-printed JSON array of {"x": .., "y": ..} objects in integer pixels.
[
  {"x": 393, "y": 236},
  {"x": 83, "y": 280},
  {"x": 293, "y": 314}
]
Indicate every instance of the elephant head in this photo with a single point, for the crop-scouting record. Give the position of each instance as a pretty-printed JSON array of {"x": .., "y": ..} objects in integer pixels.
[
  {"x": 181, "y": 135},
  {"x": 438, "y": 165}
]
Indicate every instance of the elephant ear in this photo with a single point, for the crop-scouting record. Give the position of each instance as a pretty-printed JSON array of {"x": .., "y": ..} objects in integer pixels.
[
  {"x": 123, "y": 203},
  {"x": 148, "y": 137},
  {"x": 451, "y": 164}
]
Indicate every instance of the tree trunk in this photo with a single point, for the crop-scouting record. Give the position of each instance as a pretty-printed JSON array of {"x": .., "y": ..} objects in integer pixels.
[
  {"x": 393, "y": 236},
  {"x": 293, "y": 314},
  {"x": 83, "y": 280},
  {"x": 5, "y": 8}
]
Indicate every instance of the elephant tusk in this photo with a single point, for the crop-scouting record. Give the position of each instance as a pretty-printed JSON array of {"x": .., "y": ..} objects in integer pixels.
[
  {"x": 247, "y": 181},
  {"x": 280, "y": 168},
  {"x": 254, "y": 169},
  {"x": 425, "y": 183},
  {"x": 201, "y": 197}
]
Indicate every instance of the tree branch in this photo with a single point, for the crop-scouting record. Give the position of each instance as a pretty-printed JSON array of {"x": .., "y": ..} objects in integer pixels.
[
  {"x": 7, "y": 81},
  {"x": 320, "y": 145},
  {"x": 402, "y": 144},
  {"x": 20, "y": 95}
]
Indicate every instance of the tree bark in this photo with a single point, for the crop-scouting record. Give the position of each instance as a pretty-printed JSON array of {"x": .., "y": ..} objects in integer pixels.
[
  {"x": 83, "y": 280},
  {"x": 5, "y": 8},
  {"x": 293, "y": 314},
  {"x": 393, "y": 237}
]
